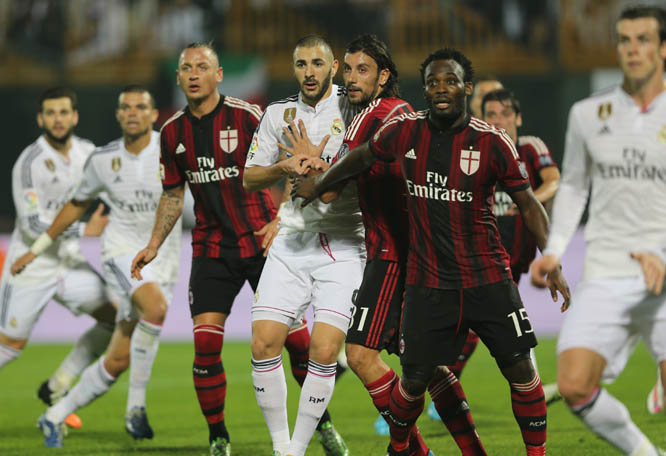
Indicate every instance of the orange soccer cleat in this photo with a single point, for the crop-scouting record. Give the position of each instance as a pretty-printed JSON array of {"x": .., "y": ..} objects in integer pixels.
[{"x": 73, "y": 421}]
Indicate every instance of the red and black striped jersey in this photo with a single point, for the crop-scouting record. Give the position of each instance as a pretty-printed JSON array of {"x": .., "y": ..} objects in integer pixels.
[
  {"x": 451, "y": 176},
  {"x": 516, "y": 238},
  {"x": 209, "y": 154},
  {"x": 381, "y": 188}
]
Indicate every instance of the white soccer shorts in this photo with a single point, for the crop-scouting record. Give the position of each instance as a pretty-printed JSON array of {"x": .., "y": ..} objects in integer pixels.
[
  {"x": 310, "y": 268},
  {"x": 80, "y": 289},
  {"x": 117, "y": 273},
  {"x": 609, "y": 316}
]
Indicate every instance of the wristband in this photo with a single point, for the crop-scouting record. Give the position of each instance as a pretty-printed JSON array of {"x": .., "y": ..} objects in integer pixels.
[{"x": 42, "y": 243}]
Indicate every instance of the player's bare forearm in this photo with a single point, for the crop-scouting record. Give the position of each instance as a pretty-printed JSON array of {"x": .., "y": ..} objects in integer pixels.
[
  {"x": 261, "y": 177},
  {"x": 533, "y": 214},
  {"x": 70, "y": 213},
  {"x": 168, "y": 211},
  {"x": 353, "y": 163},
  {"x": 550, "y": 178}
]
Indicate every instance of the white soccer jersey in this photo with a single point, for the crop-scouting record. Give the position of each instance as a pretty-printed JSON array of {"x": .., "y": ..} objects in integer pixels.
[
  {"x": 133, "y": 187},
  {"x": 619, "y": 149},
  {"x": 329, "y": 117},
  {"x": 43, "y": 180}
]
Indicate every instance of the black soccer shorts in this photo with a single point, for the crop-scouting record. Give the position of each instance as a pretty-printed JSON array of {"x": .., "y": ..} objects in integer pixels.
[
  {"x": 215, "y": 282},
  {"x": 375, "y": 320},
  {"x": 435, "y": 322}
]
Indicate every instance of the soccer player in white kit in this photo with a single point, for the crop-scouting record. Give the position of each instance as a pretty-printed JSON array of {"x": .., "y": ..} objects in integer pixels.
[
  {"x": 128, "y": 171},
  {"x": 616, "y": 141},
  {"x": 43, "y": 179},
  {"x": 317, "y": 257}
]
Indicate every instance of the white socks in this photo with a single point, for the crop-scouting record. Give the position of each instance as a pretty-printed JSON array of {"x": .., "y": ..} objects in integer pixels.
[
  {"x": 7, "y": 354},
  {"x": 270, "y": 388},
  {"x": 143, "y": 349},
  {"x": 609, "y": 418},
  {"x": 94, "y": 382},
  {"x": 315, "y": 396},
  {"x": 88, "y": 348}
]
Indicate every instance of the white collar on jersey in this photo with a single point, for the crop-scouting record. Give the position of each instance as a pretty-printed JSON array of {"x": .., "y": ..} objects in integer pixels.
[{"x": 322, "y": 103}]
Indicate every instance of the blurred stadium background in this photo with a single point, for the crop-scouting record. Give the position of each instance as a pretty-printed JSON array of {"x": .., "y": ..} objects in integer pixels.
[{"x": 549, "y": 52}]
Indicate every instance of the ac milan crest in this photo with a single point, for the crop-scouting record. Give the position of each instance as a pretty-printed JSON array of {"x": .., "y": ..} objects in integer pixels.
[
  {"x": 229, "y": 140},
  {"x": 469, "y": 161}
]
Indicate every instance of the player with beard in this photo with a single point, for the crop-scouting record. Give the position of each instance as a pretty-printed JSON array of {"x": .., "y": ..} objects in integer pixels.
[
  {"x": 458, "y": 273},
  {"x": 317, "y": 257},
  {"x": 43, "y": 180},
  {"x": 127, "y": 171},
  {"x": 371, "y": 80}
]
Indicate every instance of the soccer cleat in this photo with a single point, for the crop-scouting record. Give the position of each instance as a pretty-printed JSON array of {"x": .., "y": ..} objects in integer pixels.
[
  {"x": 53, "y": 432},
  {"x": 331, "y": 441},
  {"x": 136, "y": 424},
  {"x": 551, "y": 393},
  {"x": 47, "y": 396},
  {"x": 433, "y": 413},
  {"x": 391, "y": 452},
  {"x": 655, "y": 400},
  {"x": 381, "y": 426},
  {"x": 73, "y": 421},
  {"x": 221, "y": 447}
]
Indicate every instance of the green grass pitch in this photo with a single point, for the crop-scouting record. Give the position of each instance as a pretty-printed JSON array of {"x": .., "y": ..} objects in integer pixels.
[{"x": 180, "y": 428}]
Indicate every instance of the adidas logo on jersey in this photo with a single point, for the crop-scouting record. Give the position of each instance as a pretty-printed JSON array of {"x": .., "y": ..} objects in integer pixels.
[
  {"x": 410, "y": 154},
  {"x": 604, "y": 131},
  {"x": 180, "y": 149}
]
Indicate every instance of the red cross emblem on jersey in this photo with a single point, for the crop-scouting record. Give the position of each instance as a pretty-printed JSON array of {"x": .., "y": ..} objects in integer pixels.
[
  {"x": 228, "y": 140},
  {"x": 469, "y": 161}
]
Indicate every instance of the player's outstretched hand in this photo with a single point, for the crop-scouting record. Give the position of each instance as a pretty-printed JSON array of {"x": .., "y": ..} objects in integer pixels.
[
  {"x": 140, "y": 260},
  {"x": 300, "y": 142},
  {"x": 268, "y": 232},
  {"x": 654, "y": 270},
  {"x": 97, "y": 223},
  {"x": 304, "y": 187},
  {"x": 547, "y": 272},
  {"x": 20, "y": 264}
]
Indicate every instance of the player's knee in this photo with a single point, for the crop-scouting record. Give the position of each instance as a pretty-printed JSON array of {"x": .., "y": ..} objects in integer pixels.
[
  {"x": 156, "y": 312},
  {"x": 325, "y": 352},
  {"x": 574, "y": 390},
  {"x": 360, "y": 357},
  {"x": 517, "y": 367},
  {"x": 264, "y": 348},
  {"x": 416, "y": 378}
]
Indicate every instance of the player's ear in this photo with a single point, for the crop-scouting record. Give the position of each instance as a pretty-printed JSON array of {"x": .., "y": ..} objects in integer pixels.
[
  {"x": 384, "y": 76},
  {"x": 75, "y": 117},
  {"x": 519, "y": 120},
  {"x": 219, "y": 74},
  {"x": 469, "y": 87},
  {"x": 334, "y": 67},
  {"x": 177, "y": 77},
  {"x": 40, "y": 120},
  {"x": 154, "y": 115}
]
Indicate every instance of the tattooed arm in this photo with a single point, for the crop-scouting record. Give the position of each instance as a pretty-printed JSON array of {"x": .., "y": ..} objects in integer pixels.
[{"x": 168, "y": 211}]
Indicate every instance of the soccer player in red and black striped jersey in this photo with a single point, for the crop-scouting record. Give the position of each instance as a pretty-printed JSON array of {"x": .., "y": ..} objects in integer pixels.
[
  {"x": 205, "y": 146},
  {"x": 371, "y": 80},
  {"x": 458, "y": 273},
  {"x": 501, "y": 109}
]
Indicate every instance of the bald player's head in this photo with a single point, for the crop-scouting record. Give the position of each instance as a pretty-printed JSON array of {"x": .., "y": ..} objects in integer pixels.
[{"x": 482, "y": 86}]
